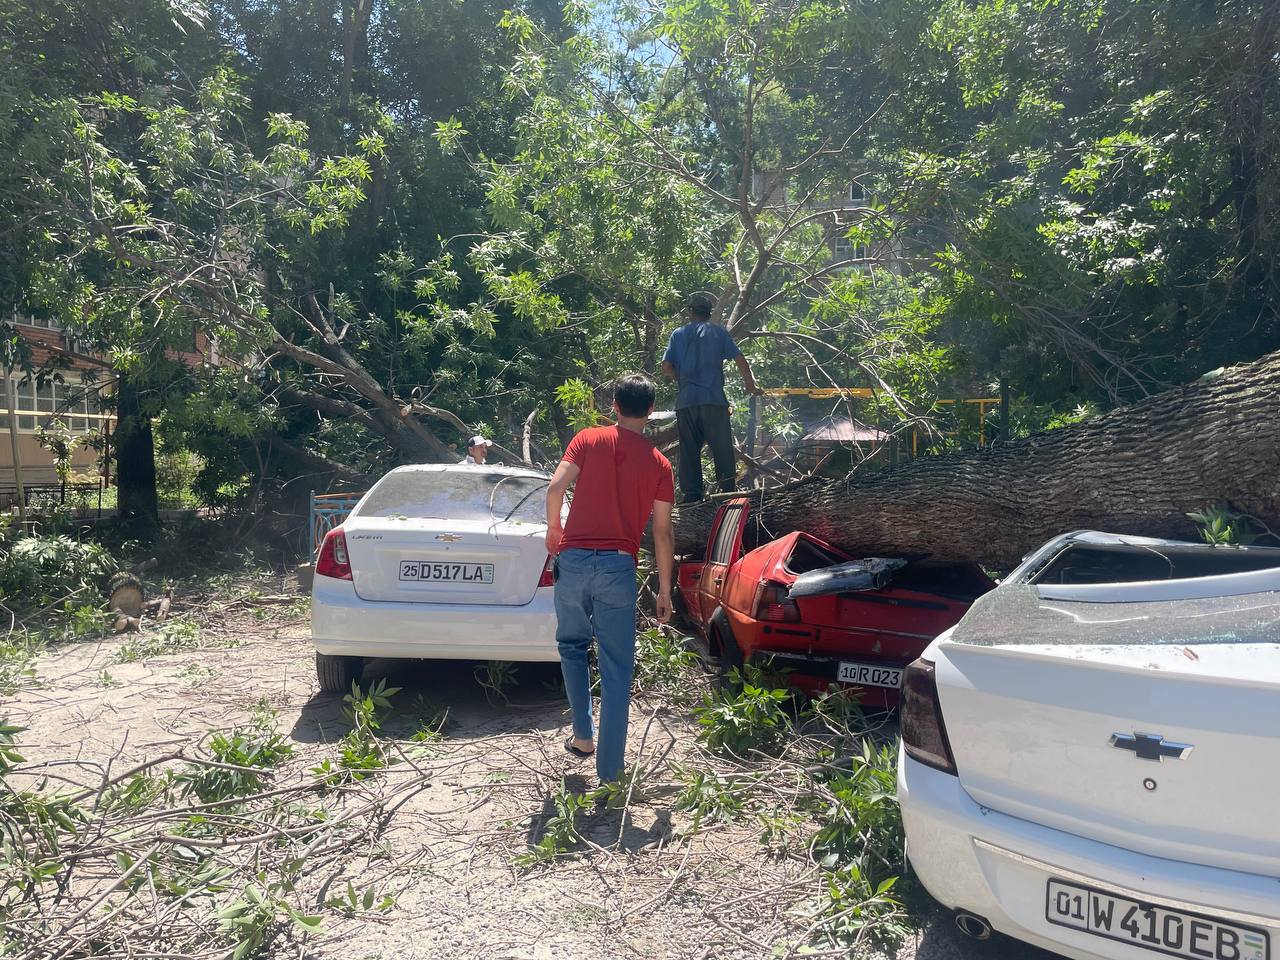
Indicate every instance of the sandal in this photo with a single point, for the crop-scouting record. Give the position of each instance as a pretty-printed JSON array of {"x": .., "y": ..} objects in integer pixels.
[{"x": 577, "y": 751}]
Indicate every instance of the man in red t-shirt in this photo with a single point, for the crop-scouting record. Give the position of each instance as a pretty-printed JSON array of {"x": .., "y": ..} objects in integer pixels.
[{"x": 621, "y": 478}]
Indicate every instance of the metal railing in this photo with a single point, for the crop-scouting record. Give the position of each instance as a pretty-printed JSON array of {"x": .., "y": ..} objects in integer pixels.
[
  {"x": 328, "y": 510},
  {"x": 38, "y": 495}
]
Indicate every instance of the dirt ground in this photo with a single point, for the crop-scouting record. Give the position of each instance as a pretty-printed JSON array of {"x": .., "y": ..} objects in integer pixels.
[{"x": 645, "y": 889}]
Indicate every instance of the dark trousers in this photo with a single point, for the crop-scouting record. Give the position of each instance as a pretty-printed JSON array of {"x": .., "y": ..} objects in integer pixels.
[{"x": 709, "y": 425}]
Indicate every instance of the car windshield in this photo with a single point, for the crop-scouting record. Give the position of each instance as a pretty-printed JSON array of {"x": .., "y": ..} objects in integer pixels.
[{"x": 471, "y": 494}]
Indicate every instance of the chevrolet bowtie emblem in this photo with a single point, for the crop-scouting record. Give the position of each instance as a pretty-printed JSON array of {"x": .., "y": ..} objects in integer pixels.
[
  {"x": 448, "y": 537},
  {"x": 1151, "y": 746}
]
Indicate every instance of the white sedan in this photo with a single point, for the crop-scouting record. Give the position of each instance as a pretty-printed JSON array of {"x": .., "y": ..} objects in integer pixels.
[
  {"x": 436, "y": 562},
  {"x": 1091, "y": 757}
]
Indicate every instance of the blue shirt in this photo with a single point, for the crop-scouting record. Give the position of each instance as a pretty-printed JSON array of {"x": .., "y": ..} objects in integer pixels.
[{"x": 698, "y": 351}]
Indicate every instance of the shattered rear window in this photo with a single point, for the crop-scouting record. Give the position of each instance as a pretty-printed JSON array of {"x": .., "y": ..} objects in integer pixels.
[
  {"x": 1017, "y": 615},
  {"x": 1133, "y": 562},
  {"x": 470, "y": 494}
]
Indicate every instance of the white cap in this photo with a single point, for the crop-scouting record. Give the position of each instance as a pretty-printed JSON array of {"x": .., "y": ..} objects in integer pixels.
[{"x": 479, "y": 441}]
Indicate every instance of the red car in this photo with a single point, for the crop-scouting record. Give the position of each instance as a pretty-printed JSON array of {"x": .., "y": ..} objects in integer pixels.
[{"x": 817, "y": 612}]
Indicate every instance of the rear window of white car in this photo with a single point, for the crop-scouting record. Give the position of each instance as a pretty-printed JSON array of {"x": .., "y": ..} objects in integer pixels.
[
  {"x": 1016, "y": 614},
  {"x": 471, "y": 494}
]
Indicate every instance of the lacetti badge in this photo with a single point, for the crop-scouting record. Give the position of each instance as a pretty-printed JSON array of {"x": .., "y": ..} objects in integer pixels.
[
  {"x": 1151, "y": 746},
  {"x": 448, "y": 537}
]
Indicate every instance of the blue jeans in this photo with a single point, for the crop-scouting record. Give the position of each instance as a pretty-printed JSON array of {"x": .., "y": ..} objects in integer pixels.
[{"x": 596, "y": 597}]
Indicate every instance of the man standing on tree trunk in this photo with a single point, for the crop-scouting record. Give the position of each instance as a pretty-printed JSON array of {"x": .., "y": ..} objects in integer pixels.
[
  {"x": 695, "y": 359},
  {"x": 621, "y": 479}
]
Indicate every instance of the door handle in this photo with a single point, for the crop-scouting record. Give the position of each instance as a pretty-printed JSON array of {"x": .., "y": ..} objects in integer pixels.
[
  {"x": 718, "y": 580},
  {"x": 696, "y": 576}
]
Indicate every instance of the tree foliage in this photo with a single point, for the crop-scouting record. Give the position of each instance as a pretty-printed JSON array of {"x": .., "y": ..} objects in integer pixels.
[{"x": 401, "y": 224}]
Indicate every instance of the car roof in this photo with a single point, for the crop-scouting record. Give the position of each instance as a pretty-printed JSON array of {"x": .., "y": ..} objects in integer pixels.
[
  {"x": 1035, "y": 560},
  {"x": 474, "y": 469}
]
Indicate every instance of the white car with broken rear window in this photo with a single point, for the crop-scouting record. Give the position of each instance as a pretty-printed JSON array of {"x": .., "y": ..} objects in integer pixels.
[
  {"x": 436, "y": 562},
  {"x": 1091, "y": 757}
]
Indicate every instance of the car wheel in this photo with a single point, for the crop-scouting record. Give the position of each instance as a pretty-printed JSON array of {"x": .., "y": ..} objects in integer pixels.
[
  {"x": 337, "y": 674},
  {"x": 726, "y": 646}
]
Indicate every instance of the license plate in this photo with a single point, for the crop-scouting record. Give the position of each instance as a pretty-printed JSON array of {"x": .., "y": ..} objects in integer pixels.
[
  {"x": 870, "y": 675},
  {"x": 1151, "y": 926},
  {"x": 424, "y": 571}
]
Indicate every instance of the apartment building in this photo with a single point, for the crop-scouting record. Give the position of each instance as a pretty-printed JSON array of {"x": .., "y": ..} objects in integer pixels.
[{"x": 847, "y": 205}]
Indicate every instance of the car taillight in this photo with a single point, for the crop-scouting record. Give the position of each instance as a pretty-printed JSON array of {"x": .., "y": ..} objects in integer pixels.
[
  {"x": 333, "y": 560},
  {"x": 924, "y": 735},
  {"x": 548, "y": 578},
  {"x": 773, "y": 604}
]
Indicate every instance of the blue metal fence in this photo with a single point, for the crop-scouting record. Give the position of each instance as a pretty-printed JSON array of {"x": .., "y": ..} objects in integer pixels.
[{"x": 327, "y": 511}]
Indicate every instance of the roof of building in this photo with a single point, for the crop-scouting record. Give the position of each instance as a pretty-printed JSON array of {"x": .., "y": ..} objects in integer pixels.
[{"x": 841, "y": 430}]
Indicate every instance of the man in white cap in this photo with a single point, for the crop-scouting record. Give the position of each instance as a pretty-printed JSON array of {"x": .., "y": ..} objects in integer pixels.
[{"x": 478, "y": 449}]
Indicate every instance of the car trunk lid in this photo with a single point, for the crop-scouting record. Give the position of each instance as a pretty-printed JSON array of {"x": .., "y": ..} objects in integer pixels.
[
  {"x": 1147, "y": 724},
  {"x": 893, "y": 598}
]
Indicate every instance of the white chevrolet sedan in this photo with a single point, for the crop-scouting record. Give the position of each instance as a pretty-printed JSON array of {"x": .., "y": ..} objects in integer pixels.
[
  {"x": 436, "y": 562},
  {"x": 1091, "y": 757}
]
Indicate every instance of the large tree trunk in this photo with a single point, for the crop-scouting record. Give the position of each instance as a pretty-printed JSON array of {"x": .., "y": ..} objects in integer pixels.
[
  {"x": 1138, "y": 469},
  {"x": 135, "y": 457}
]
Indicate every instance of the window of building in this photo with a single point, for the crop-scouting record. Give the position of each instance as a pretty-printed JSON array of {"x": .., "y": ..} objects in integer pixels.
[
  {"x": 845, "y": 249},
  {"x": 73, "y": 403},
  {"x": 43, "y": 323},
  {"x": 856, "y": 193}
]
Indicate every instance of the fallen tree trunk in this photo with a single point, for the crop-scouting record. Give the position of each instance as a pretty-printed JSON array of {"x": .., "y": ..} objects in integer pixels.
[{"x": 1138, "y": 469}]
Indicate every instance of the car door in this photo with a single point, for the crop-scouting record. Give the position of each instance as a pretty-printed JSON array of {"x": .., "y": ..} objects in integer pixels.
[{"x": 725, "y": 548}]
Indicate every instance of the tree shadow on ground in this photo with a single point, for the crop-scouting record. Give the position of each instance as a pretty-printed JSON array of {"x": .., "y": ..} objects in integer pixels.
[
  {"x": 615, "y": 830},
  {"x": 531, "y": 698}
]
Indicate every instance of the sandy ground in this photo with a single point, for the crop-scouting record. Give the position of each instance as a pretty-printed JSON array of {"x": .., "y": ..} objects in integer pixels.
[{"x": 646, "y": 890}]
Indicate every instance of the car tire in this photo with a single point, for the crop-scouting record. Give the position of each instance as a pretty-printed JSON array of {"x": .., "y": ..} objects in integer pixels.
[
  {"x": 726, "y": 646},
  {"x": 337, "y": 674}
]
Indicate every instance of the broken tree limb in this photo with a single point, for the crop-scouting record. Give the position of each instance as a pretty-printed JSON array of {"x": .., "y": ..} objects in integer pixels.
[{"x": 1138, "y": 469}]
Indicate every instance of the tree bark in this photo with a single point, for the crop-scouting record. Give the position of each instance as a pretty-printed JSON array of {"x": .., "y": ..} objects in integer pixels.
[
  {"x": 135, "y": 457},
  {"x": 1138, "y": 470}
]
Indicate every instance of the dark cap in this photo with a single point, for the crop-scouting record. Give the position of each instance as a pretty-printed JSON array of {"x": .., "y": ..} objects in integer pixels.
[{"x": 701, "y": 303}]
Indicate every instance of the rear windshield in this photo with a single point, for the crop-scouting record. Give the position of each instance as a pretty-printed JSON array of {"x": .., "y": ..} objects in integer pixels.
[
  {"x": 472, "y": 494},
  {"x": 808, "y": 556},
  {"x": 1130, "y": 563},
  {"x": 1017, "y": 614}
]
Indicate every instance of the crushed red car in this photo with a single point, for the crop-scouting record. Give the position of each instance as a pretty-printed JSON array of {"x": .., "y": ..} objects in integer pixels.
[{"x": 816, "y": 612}]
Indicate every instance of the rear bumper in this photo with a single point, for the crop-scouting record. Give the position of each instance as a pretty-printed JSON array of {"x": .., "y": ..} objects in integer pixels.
[
  {"x": 815, "y": 673},
  {"x": 972, "y": 858},
  {"x": 344, "y": 624}
]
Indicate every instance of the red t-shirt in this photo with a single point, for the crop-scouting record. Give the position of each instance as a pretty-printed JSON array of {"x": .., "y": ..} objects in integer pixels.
[{"x": 621, "y": 475}]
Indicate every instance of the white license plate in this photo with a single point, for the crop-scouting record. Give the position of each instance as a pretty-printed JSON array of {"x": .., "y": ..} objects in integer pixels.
[
  {"x": 870, "y": 675},
  {"x": 1175, "y": 933},
  {"x": 430, "y": 571}
]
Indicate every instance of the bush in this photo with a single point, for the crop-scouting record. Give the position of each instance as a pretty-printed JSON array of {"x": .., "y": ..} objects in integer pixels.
[
  {"x": 749, "y": 715},
  {"x": 38, "y": 571},
  {"x": 177, "y": 472}
]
